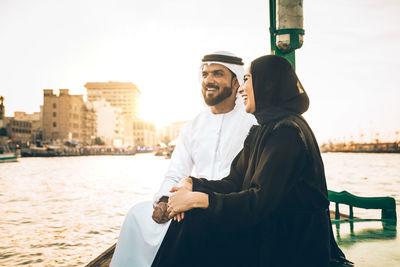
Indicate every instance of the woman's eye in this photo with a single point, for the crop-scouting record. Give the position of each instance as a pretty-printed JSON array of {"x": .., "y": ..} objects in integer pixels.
[{"x": 245, "y": 79}]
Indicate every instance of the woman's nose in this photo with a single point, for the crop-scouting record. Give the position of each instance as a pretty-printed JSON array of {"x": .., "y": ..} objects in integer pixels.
[{"x": 241, "y": 89}]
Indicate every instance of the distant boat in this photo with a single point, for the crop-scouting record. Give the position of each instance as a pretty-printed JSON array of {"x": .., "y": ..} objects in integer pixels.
[{"x": 6, "y": 155}]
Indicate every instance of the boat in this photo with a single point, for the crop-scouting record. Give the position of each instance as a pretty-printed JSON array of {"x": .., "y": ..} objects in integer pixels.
[
  {"x": 104, "y": 259},
  {"x": 375, "y": 236},
  {"x": 6, "y": 155},
  {"x": 345, "y": 236}
]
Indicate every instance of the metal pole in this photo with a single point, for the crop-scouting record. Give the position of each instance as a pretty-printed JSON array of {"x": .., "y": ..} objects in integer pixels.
[{"x": 290, "y": 55}]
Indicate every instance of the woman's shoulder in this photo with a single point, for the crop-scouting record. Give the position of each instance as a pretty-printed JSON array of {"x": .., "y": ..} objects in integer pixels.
[
  {"x": 289, "y": 122},
  {"x": 253, "y": 132},
  {"x": 251, "y": 135},
  {"x": 292, "y": 127}
]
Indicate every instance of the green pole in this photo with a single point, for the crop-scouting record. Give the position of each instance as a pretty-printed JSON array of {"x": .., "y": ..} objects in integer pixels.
[
  {"x": 272, "y": 24},
  {"x": 294, "y": 41},
  {"x": 291, "y": 57}
]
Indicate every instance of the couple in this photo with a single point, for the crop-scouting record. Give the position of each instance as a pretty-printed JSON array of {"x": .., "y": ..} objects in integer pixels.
[{"x": 271, "y": 209}]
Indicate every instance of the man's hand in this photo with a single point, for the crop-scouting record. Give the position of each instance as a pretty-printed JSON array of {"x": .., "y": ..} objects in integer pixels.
[
  {"x": 160, "y": 214},
  {"x": 186, "y": 183}
]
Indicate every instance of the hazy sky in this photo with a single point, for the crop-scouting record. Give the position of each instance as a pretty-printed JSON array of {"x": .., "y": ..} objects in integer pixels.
[{"x": 349, "y": 63}]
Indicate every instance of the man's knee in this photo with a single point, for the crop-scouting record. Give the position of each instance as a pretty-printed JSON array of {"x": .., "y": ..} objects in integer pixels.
[{"x": 139, "y": 210}]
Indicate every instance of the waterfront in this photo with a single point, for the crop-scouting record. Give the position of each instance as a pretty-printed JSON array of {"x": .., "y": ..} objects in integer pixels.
[{"x": 65, "y": 211}]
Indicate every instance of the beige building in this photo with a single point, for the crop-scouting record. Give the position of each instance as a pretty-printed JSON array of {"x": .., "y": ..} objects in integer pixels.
[
  {"x": 127, "y": 131},
  {"x": 123, "y": 95},
  {"x": 112, "y": 125},
  {"x": 34, "y": 119},
  {"x": 67, "y": 118},
  {"x": 89, "y": 130},
  {"x": 19, "y": 131},
  {"x": 171, "y": 132},
  {"x": 144, "y": 133}
]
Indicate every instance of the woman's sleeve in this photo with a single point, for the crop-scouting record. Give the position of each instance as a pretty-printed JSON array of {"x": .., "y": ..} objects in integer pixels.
[
  {"x": 276, "y": 173},
  {"x": 232, "y": 183}
]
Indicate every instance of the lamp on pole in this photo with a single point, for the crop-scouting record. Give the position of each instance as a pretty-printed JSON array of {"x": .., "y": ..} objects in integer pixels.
[
  {"x": 286, "y": 28},
  {"x": 2, "y": 109}
]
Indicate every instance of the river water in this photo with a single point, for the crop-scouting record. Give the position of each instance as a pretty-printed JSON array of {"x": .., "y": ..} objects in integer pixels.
[{"x": 64, "y": 211}]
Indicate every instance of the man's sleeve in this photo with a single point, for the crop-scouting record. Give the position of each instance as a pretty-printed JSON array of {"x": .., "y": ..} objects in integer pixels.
[
  {"x": 232, "y": 183},
  {"x": 180, "y": 166}
]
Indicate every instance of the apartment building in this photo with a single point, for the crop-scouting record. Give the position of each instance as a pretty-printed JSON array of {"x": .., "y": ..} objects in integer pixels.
[
  {"x": 123, "y": 95},
  {"x": 67, "y": 118}
]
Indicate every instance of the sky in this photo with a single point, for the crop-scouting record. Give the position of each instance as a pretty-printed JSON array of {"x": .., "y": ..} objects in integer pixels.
[{"x": 349, "y": 63}]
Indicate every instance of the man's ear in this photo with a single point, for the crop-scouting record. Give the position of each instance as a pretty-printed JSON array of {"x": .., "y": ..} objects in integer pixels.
[{"x": 235, "y": 83}]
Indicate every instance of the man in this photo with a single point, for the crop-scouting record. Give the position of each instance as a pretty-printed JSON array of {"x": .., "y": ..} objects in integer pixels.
[{"x": 206, "y": 147}]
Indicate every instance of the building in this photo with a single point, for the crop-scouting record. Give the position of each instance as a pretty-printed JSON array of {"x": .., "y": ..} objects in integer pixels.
[
  {"x": 123, "y": 95},
  {"x": 171, "y": 132},
  {"x": 144, "y": 133},
  {"x": 67, "y": 118},
  {"x": 127, "y": 131},
  {"x": 23, "y": 128},
  {"x": 89, "y": 130},
  {"x": 112, "y": 125},
  {"x": 35, "y": 120},
  {"x": 18, "y": 131}
]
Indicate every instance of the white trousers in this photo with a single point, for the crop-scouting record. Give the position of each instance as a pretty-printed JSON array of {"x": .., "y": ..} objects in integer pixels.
[{"x": 140, "y": 238}]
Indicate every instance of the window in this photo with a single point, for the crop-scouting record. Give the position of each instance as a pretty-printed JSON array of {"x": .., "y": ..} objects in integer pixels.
[
  {"x": 54, "y": 105},
  {"x": 54, "y": 114},
  {"x": 54, "y": 124}
]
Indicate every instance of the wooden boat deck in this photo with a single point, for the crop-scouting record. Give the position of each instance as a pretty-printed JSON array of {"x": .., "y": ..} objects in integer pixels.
[{"x": 104, "y": 259}]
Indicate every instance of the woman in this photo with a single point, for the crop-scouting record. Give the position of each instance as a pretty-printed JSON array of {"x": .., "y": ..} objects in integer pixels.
[{"x": 272, "y": 209}]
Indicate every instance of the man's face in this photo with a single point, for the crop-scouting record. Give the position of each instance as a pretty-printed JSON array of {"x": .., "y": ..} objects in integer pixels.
[{"x": 216, "y": 83}]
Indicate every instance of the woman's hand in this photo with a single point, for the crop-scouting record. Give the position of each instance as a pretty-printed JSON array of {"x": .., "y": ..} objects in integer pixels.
[
  {"x": 185, "y": 183},
  {"x": 179, "y": 202},
  {"x": 183, "y": 200}
]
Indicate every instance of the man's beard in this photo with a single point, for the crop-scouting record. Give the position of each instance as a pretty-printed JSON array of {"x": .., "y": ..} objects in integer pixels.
[{"x": 221, "y": 96}]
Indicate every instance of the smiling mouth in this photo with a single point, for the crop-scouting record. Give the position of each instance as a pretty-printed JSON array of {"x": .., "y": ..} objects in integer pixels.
[
  {"x": 245, "y": 97},
  {"x": 211, "y": 89}
]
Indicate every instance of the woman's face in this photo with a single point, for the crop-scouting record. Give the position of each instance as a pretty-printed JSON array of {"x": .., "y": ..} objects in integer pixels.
[{"x": 247, "y": 93}]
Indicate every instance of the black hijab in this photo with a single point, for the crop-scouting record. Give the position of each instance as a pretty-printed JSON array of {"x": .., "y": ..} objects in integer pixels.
[{"x": 277, "y": 90}]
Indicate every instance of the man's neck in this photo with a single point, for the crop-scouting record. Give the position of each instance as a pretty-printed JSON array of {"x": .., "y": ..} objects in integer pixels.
[{"x": 222, "y": 107}]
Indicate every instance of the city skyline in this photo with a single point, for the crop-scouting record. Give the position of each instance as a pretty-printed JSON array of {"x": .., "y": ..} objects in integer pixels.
[{"x": 347, "y": 64}]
